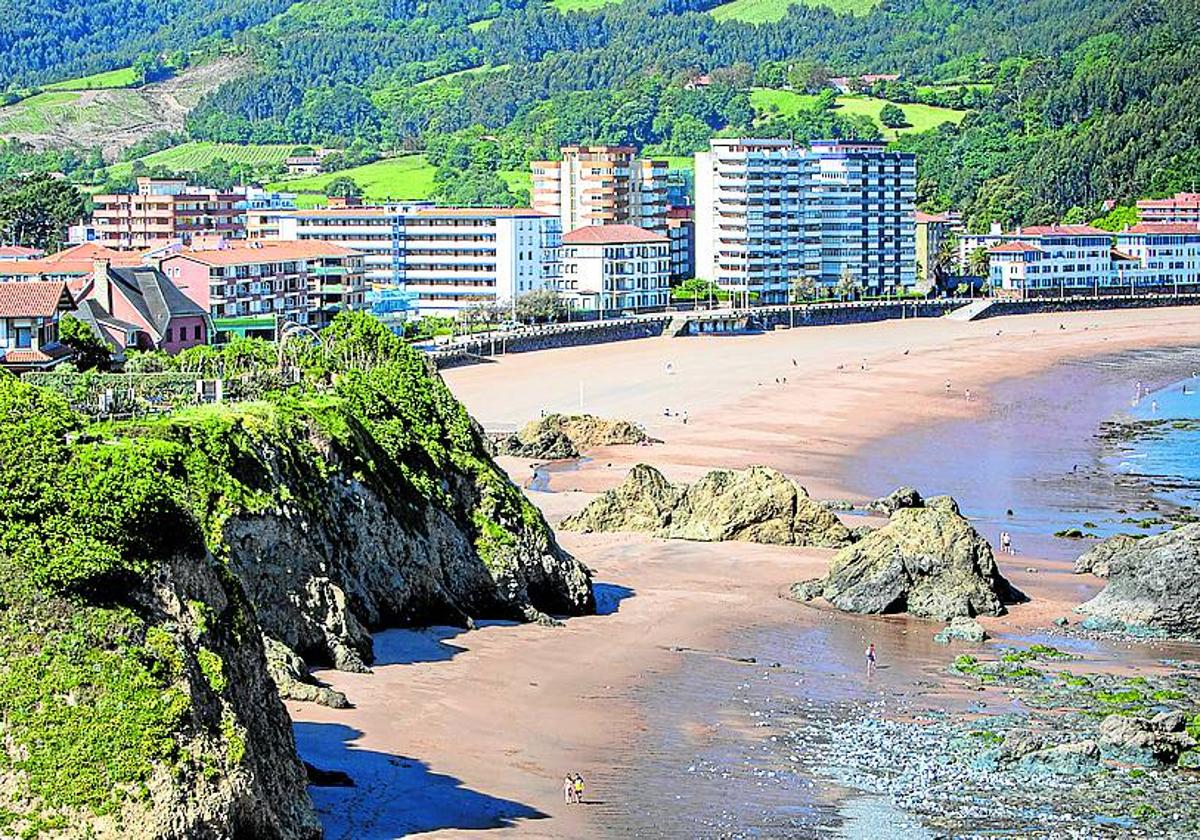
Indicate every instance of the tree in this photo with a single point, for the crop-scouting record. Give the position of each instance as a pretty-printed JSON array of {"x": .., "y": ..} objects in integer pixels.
[
  {"x": 540, "y": 305},
  {"x": 91, "y": 352},
  {"x": 803, "y": 288},
  {"x": 149, "y": 67},
  {"x": 892, "y": 116},
  {"x": 979, "y": 263},
  {"x": 847, "y": 285},
  {"x": 36, "y": 210},
  {"x": 343, "y": 186}
]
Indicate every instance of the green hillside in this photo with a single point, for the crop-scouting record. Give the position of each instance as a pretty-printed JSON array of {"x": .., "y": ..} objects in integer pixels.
[
  {"x": 193, "y": 156},
  {"x": 121, "y": 78},
  {"x": 767, "y": 11},
  {"x": 769, "y": 102}
]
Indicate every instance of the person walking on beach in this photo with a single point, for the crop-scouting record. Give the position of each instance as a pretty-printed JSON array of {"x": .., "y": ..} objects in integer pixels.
[
  {"x": 1005, "y": 543},
  {"x": 578, "y": 784},
  {"x": 569, "y": 789},
  {"x": 870, "y": 660},
  {"x": 685, "y": 417}
]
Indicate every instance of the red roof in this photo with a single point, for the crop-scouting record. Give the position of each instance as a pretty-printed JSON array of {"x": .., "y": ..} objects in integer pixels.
[
  {"x": 1062, "y": 230},
  {"x": 1163, "y": 227},
  {"x": 1179, "y": 199},
  {"x": 611, "y": 235},
  {"x": 1014, "y": 248},
  {"x": 264, "y": 252},
  {"x": 925, "y": 218},
  {"x": 8, "y": 252},
  {"x": 33, "y": 299}
]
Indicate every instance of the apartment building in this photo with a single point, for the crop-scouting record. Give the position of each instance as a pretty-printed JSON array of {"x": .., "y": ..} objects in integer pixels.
[
  {"x": 1168, "y": 255},
  {"x": 248, "y": 287},
  {"x": 756, "y": 225},
  {"x": 615, "y": 268},
  {"x": 602, "y": 185},
  {"x": 864, "y": 197},
  {"x": 164, "y": 211},
  {"x": 1049, "y": 260},
  {"x": 448, "y": 259},
  {"x": 1181, "y": 208},
  {"x": 681, "y": 230},
  {"x": 932, "y": 232}
]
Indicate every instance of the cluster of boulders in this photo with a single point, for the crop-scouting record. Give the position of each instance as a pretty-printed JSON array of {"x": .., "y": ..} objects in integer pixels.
[
  {"x": 561, "y": 436},
  {"x": 754, "y": 505},
  {"x": 1152, "y": 584},
  {"x": 927, "y": 561}
]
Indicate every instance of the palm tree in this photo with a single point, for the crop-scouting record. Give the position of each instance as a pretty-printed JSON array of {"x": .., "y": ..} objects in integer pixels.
[{"x": 847, "y": 286}]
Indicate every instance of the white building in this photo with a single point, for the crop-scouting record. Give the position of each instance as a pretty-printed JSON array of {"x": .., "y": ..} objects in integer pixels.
[
  {"x": 602, "y": 185},
  {"x": 1050, "y": 260},
  {"x": 769, "y": 212},
  {"x": 615, "y": 268},
  {"x": 1168, "y": 254},
  {"x": 1181, "y": 208},
  {"x": 447, "y": 258}
]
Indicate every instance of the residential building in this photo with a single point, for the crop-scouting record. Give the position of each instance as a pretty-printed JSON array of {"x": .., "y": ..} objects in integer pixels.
[
  {"x": 138, "y": 307},
  {"x": 164, "y": 211},
  {"x": 1181, "y": 208},
  {"x": 754, "y": 217},
  {"x": 248, "y": 287},
  {"x": 932, "y": 232},
  {"x": 602, "y": 185},
  {"x": 864, "y": 198},
  {"x": 1168, "y": 255},
  {"x": 447, "y": 258},
  {"x": 303, "y": 165},
  {"x": 29, "y": 314},
  {"x": 73, "y": 265},
  {"x": 1050, "y": 260},
  {"x": 850, "y": 84},
  {"x": 615, "y": 268},
  {"x": 19, "y": 252},
  {"x": 681, "y": 230}
]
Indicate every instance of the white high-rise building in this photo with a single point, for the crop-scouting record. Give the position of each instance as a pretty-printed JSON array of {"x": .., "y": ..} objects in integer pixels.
[
  {"x": 769, "y": 212},
  {"x": 602, "y": 185}
]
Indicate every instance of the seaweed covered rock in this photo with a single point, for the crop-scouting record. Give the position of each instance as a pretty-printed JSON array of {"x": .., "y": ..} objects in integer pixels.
[
  {"x": 927, "y": 561},
  {"x": 1152, "y": 586},
  {"x": 754, "y": 505},
  {"x": 559, "y": 436},
  {"x": 1098, "y": 560},
  {"x": 134, "y": 696}
]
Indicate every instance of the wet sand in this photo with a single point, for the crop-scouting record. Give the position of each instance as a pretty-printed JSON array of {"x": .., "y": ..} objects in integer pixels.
[{"x": 462, "y": 731}]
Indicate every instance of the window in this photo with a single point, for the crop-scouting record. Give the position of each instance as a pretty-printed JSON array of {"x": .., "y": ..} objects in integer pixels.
[
  {"x": 24, "y": 337},
  {"x": 168, "y": 336},
  {"x": 196, "y": 332}
]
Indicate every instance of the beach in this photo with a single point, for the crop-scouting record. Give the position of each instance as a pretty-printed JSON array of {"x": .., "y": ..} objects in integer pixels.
[{"x": 457, "y": 732}]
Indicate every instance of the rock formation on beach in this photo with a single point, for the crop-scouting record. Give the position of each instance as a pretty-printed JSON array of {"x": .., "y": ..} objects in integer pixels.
[
  {"x": 927, "y": 561},
  {"x": 753, "y": 505},
  {"x": 1152, "y": 586},
  {"x": 559, "y": 436},
  {"x": 157, "y": 573},
  {"x": 1099, "y": 558}
]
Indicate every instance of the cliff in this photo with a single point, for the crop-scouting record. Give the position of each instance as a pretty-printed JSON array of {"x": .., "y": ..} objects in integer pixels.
[{"x": 146, "y": 563}]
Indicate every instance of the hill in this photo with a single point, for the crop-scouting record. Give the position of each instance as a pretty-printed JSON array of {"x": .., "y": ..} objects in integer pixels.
[
  {"x": 766, "y": 11},
  {"x": 194, "y": 156}
]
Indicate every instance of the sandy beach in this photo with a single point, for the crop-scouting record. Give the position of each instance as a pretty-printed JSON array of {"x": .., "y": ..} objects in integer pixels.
[{"x": 458, "y": 732}]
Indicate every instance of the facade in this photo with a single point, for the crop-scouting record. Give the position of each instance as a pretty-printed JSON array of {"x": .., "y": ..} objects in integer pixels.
[
  {"x": 932, "y": 232},
  {"x": 249, "y": 287},
  {"x": 1181, "y": 208},
  {"x": 1057, "y": 260},
  {"x": 681, "y": 230},
  {"x": 139, "y": 307},
  {"x": 754, "y": 217},
  {"x": 163, "y": 211},
  {"x": 447, "y": 259},
  {"x": 29, "y": 314},
  {"x": 602, "y": 185},
  {"x": 615, "y": 268},
  {"x": 1167, "y": 253}
]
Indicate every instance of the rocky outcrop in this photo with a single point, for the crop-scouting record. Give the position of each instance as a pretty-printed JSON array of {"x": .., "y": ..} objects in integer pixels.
[
  {"x": 1152, "y": 585},
  {"x": 1099, "y": 558},
  {"x": 559, "y": 436},
  {"x": 754, "y": 505},
  {"x": 927, "y": 561},
  {"x": 294, "y": 682},
  {"x": 961, "y": 629},
  {"x": 1159, "y": 740},
  {"x": 901, "y": 497}
]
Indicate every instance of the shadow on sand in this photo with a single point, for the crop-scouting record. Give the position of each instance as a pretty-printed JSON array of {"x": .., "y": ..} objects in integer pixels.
[
  {"x": 393, "y": 796},
  {"x": 609, "y": 597},
  {"x": 425, "y": 644}
]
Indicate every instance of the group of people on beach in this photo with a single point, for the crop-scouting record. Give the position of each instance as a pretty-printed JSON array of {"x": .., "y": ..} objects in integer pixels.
[{"x": 573, "y": 789}]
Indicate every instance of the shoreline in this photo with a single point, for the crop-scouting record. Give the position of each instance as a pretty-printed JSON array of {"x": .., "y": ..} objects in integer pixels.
[{"x": 517, "y": 707}]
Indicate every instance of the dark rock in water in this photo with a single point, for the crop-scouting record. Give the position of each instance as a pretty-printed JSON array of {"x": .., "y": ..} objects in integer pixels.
[
  {"x": 1097, "y": 560},
  {"x": 1152, "y": 587},
  {"x": 926, "y": 561},
  {"x": 901, "y": 497},
  {"x": 754, "y": 505},
  {"x": 962, "y": 629},
  {"x": 1140, "y": 741},
  {"x": 327, "y": 778}
]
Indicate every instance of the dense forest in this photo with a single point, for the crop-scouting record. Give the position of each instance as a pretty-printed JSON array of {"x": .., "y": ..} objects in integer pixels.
[{"x": 1071, "y": 102}]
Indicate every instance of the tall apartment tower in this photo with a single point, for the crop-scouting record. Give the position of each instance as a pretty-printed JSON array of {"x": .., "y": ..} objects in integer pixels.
[
  {"x": 602, "y": 185},
  {"x": 754, "y": 217},
  {"x": 769, "y": 212},
  {"x": 865, "y": 198}
]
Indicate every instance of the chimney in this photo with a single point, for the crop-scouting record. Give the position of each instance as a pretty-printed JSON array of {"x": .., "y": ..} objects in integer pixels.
[{"x": 102, "y": 285}]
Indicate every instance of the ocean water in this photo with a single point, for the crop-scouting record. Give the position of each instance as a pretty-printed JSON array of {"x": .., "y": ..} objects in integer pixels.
[{"x": 1166, "y": 456}]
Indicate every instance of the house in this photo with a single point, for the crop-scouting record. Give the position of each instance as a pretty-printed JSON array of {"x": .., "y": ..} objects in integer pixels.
[
  {"x": 615, "y": 267},
  {"x": 19, "y": 252},
  {"x": 303, "y": 165},
  {"x": 139, "y": 307},
  {"x": 1059, "y": 261},
  {"x": 850, "y": 84},
  {"x": 29, "y": 315}
]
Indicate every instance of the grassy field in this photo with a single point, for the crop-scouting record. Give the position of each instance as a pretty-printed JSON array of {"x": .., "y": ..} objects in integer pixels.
[
  {"x": 767, "y": 11},
  {"x": 196, "y": 155},
  {"x": 787, "y": 103},
  {"x": 469, "y": 71},
  {"x": 408, "y": 177},
  {"x": 580, "y": 5},
  {"x": 121, "y": 78}
]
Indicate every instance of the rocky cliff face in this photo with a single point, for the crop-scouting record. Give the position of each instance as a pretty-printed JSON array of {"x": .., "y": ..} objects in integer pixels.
[
  {"x": 755, "y": 505},
  {"x": 1100, "y": 557},
  {"x": 927, "y": 561},
  {"x": 1152, "y": 585}
]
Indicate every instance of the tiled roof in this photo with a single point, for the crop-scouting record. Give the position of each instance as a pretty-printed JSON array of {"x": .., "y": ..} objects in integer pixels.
[
  {"x": 611, "y": 235},
  {"x": 925, "y": 218},
  {"x": 88, "y": 251},
  {"x": 1014, "y": 248},
  {"x": 8, "y": 252},
  {"x": 1163, "y": 227},
  {"x": 33, "y": 299},
  {"x": 1062, "y": 230},
  {"x": 267, "y": 252},
  {"x": 42, "y": 355},
  {"x": 39, "y": 268},
  {"x": 155, "y": 297},
  {"x": 1179, "y": 199}
]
